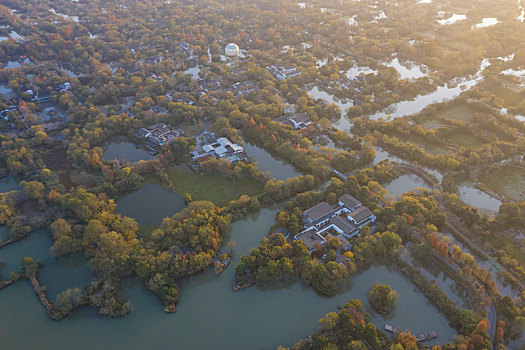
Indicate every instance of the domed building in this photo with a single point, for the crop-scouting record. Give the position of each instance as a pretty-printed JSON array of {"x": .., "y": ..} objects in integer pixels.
[{"x": 232, "y": 50}]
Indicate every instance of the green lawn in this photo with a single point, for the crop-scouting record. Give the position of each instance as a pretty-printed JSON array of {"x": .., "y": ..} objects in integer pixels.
[{"x": 215, "y": 188}]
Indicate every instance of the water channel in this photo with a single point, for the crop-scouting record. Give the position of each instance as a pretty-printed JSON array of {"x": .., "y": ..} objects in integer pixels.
[
  {"x": 210, "y": 314},
  {"x": 503, "y": 287}
]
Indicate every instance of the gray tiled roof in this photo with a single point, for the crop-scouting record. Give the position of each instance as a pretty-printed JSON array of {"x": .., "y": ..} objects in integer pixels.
[
  {"x": 318, "y": 210},
  {"x": 344, "y": 224},
  {"x": 349, "y": 201},
  {"x": 361, "y": 214}
]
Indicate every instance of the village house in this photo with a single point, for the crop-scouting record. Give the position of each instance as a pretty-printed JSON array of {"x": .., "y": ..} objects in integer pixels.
[
  {"x": 244, "y": 87},
  {"x": 281, "y": 72},
  {"x": 347, "y": 217},
  {"x": 159, "y": 109},
  {"x": 298, "y": 121}
]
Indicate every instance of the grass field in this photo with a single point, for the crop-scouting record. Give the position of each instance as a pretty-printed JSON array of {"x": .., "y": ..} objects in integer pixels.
[
  {"x": 215, "y": 188},
  {"x": 461, "y": 112},
  {"x": 428, "y": 147},
  {"x": 508, "y": 180},
  {"x": 465, "y": 139}
]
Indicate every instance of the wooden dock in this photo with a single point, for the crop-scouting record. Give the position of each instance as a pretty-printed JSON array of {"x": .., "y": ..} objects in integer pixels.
[
  {"x": 426, "y": 336},
  {"x": 420, "y": 338}
]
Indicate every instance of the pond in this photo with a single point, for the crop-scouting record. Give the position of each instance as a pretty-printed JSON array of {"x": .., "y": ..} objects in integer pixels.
[
  {"x": 356, "y": 71},
  {"x": 508, "y": 180},
  {"x": 452, "y": 19},
  {"x": 266, "y": 162},
  {"x": 408, "y": 70},
  {"x": 381, "y": 155},
  {"x": 343, "y": 123},
  {"x": 210, "y": 314},
  {"x": 125, "y": 151},
  {"x": 405, "y": 183},
  {"x": 487, "y": 22},
  {"x": 194, "y": 72},
  {"x": 442, "y": 93},
  {"x": 150, "y": 204},
  {"x": 469, "y": 194},
  {"x": 12, "y": 65},
  {"x": 6, "y": 92},
  {"x": 56, "y": 274}
]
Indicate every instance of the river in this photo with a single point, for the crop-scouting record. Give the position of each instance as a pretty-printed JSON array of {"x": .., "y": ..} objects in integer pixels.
[{"x": 210, "y": 314}]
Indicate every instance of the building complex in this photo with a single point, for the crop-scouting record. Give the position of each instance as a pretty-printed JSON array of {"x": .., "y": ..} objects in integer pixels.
[{"x": 345, "y": 218}]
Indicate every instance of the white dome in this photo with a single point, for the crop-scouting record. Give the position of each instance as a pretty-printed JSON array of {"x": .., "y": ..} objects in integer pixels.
[{"x": 232, "y": 50}]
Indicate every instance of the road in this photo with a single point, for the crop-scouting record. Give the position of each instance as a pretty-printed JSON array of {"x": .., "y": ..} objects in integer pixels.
[{"x": 340, "y": 174}]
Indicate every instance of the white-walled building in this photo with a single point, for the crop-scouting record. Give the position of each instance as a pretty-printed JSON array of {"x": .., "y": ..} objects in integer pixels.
[
  {"x": 222, "y": 148},
  {"x": 232, "y": 50},
  {"x": 346, "y": 218}
]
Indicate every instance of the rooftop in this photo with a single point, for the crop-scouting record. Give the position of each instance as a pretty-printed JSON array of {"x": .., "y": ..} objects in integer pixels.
[
  {"x": 344, "y": 224},
  {"x": 310, "y": 238},
  {"x": 361, "y": 214},
  {"x": 349, "y": 201},
  {"x": 318, "y": 211}
]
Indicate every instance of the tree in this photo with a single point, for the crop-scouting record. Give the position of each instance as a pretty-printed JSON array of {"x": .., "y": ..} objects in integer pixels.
[
  {"x": 60, "y": 228},
  {"x": 329, "y": 321},
  {"x": 187, "y": 198},
  {"x": 383, "y": 298},
  {"x": 32, "y": 189},
  {"x": 28, "y": 266},
  {"x": 68, "y": 299}
]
